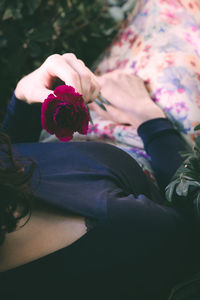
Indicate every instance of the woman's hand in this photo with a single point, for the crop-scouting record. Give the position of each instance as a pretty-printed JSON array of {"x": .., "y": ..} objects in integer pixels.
[
  {"x": 36, "y": 86},
  {"x": 129, "y": 99}
]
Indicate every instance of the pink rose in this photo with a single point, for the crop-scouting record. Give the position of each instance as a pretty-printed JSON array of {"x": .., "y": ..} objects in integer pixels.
[{"x": 64, "y": 112}]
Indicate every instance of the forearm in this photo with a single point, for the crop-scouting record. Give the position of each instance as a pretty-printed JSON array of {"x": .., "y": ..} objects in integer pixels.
[
  {"x": 22, "y": 121},
  {"x": 163, "y": 143}
]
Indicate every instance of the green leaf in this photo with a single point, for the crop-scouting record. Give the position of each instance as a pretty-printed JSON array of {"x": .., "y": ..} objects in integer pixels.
[
  {"x": 3, "y": 42},
  {"x": 9, "y": 13},
  {"x": 2, "y": 5},
  {"x": 13, "y": 12},
  {"x": 196, "y": 202},
  {"x": 195, "y": 183},
  {"x": 34, "y": 49},
  {"x": 197, "y": 141},
  {"x": 42, "y": 34},
  {"x": 185, "y": 153},
  {"x": 197, "y": 127},
  {"x": 182, "y": 188},
  {"x": 65, "y": 45},
  {"x": 81, "y": 7},
  {"x": 32, "y": 6},
  {"x": 170, "y": 190}
]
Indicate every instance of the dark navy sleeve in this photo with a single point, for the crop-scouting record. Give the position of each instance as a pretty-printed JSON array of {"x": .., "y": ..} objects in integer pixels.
[
  {"x": 22, "y": 121},
  {"x": 163, "y": 143}
]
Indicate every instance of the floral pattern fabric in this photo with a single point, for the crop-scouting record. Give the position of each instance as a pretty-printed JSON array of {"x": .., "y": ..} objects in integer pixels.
[{"x": 160, "y": 42}]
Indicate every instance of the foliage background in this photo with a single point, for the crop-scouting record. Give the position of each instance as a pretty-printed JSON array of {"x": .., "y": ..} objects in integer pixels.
[{"x": 32, "y": 30}]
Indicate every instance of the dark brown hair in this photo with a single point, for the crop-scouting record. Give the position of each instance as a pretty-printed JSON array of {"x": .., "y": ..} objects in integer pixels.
[{"x": 15, "y": 192}]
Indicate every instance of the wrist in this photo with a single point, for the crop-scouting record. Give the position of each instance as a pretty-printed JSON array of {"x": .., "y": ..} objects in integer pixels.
[
  {"x": 141, "y": 117},
  {"x": 153, "y": 114}
]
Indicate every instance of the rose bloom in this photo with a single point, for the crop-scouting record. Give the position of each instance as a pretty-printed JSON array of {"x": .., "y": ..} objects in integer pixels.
[{"x": 64, "y": 113}]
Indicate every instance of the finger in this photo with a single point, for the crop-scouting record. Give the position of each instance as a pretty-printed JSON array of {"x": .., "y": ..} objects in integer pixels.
[
  {"x": 89, "y": 84},
  {"x": 95, "y": 89},
  {"x": 42, "y": 94},
  {"x": 31, "y": 88},
  {"x": 76, "y": 63},
  {"x": 100, "y": 112},
  {"x": 111, "y": 113},
  {"x": 56, "y": 66},
  {"x": 117, "y": 115}
]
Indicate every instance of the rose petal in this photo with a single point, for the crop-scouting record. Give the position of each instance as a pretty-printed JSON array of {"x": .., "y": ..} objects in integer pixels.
[
  {"x": 67, "y": 93},
  {"x": 64, "y": 123},
  {"x": 64, "y": 134},
  {"x": 64, "y": 89},
  {"x": 47, "y": 121},
  {"x": 46, "y": 102},
  {"x": 84, "y": 125}
]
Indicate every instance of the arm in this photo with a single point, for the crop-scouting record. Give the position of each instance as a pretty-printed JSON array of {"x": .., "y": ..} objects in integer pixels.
[
  {"x": 163, "y": 143},
  {"x": 130, "y": 103},
  {"x": 22, "y": 120}
]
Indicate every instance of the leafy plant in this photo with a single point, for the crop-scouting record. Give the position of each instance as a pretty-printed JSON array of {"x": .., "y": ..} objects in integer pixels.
[
  {"x": 184, "y": 189},
  {"x": 32, "y": 30}
]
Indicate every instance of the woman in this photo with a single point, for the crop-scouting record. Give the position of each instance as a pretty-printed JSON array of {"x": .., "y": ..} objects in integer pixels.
[{"x": 97, "y": 227}]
